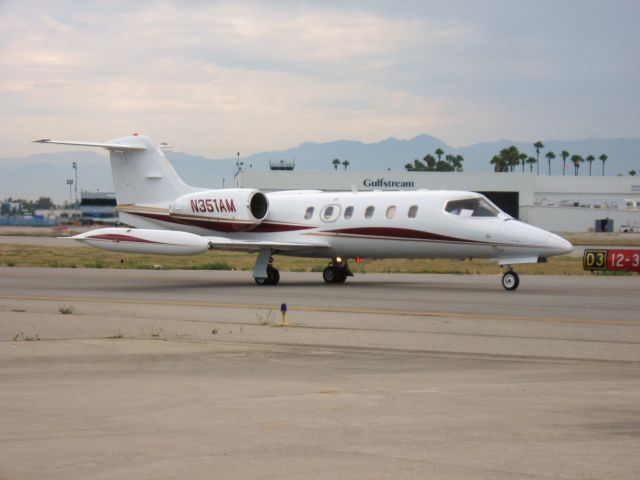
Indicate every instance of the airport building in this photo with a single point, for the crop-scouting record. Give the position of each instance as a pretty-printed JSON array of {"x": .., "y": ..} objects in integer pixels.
[{"x": 557, "y": 203}]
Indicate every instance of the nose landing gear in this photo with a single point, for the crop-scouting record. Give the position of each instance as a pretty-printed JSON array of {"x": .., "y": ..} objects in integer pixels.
[{"x": 510, "y": 279}]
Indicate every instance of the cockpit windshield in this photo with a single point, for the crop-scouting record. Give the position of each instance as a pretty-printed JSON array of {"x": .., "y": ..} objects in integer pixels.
[{"x": 471, "y": 207}]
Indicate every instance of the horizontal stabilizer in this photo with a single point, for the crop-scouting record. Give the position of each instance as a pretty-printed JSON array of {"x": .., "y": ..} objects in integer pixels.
[{"x": 109, "y": 146}]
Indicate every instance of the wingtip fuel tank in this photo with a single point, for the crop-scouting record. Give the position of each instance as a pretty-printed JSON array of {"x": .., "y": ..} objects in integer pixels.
[{"x": 138, "y": 240}]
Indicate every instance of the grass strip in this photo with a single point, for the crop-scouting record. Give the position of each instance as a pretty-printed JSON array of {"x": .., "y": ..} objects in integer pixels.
[{"x": 86, "y": 257}]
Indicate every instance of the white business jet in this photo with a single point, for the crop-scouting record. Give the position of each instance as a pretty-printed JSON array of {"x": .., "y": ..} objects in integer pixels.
[{"x": 173, "y": 218}]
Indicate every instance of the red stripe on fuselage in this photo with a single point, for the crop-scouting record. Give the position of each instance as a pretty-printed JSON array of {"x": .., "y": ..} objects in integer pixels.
[
  {"x": 222, "y": 226},
  {"x": 403, "y": 233}
]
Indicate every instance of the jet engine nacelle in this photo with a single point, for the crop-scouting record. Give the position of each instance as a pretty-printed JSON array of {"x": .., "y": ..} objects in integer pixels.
[{"x": 226, "y": 210}]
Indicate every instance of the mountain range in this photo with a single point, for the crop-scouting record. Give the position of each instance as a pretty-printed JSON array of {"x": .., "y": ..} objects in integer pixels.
[{"x": 45, "y": 174}]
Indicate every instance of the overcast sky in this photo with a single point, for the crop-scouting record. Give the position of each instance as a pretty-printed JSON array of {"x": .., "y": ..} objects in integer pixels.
[{"x": 214, "y": 78}]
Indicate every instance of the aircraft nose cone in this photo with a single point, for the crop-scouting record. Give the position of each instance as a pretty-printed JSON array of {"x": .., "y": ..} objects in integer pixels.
[{"x": 559, "y": 245}]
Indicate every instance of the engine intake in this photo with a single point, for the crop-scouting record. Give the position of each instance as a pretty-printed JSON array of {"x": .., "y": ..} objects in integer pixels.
[{"x": 225, "y": 210}]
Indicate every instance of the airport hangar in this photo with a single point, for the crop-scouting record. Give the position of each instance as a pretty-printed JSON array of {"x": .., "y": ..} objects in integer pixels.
[{"x": 556, "y": 203}]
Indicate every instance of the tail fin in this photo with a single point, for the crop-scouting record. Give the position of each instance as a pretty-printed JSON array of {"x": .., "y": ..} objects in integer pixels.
[{"x": 142, "y": 175}]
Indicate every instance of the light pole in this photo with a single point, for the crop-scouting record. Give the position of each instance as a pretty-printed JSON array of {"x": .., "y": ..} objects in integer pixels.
[
  {"x": 70, "y": 183},
  {"x": 75, "y": 167}
]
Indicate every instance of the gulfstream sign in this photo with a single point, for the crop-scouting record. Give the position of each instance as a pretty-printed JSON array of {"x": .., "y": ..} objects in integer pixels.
[{"x": 383, "y": 182}]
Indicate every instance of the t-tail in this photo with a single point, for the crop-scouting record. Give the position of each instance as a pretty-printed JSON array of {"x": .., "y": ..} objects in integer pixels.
[{"x": 142, "y": 175}]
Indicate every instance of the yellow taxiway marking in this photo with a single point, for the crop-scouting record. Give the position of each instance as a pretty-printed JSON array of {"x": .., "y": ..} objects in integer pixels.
[{"x": 350, "y": 310}]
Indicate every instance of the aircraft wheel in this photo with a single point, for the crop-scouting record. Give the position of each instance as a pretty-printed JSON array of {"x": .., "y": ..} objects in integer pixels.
[
  {"x": 273, "y": 276},
  {"x": 329, "y": 275},
  {"x": 510, "y": 280},
  {"x": 333, "y": 274}
]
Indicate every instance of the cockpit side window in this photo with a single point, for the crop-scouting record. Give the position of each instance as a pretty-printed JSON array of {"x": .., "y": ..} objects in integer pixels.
[{"x": 471, "y": 207}]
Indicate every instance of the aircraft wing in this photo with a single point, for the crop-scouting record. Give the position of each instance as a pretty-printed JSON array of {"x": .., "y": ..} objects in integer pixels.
[{"x": 256, "y": 245}]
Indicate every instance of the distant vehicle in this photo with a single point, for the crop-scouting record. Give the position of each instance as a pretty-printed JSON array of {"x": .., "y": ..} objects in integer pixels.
[
  {"x": 176, "y": 219},
  {"x": 628, "y": 228},
  {"x": 98, "y": 208}
]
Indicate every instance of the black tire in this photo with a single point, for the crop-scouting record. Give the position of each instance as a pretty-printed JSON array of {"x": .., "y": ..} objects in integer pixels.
[
  {"x": 334, "y": 274},
  {"x": 510, "y": 280},
  {"x": 329, "y": 275},
  {"x": 261, "y": 280},
  {"x": 273, "y": 276}
]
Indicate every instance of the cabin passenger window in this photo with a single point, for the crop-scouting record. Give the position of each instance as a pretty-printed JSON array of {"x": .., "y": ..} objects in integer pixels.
[
  {"x": 368, "y": 213},
  {"x": 309, "y": 213},
  {"x": 330, "y": 213},
  {"x": 471, "y": 207},
  {"x": 348, "y": 213},
  {"x": 391, "y": 212},
  {"x": 413, "y": 211}
]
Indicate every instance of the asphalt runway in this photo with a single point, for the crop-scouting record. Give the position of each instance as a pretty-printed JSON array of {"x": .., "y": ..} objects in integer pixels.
[{"x": 187, "y": 374}]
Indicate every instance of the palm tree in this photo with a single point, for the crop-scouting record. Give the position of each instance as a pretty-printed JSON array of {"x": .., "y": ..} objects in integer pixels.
[
  {"x": 513, "y": 157},
  {"x": 523, "y": 159},
  {"x": 577, "y": 160},
  {"x": 335, "y": 162},
  {"x": 449, "y": 159},
  {"x": 498, "y": 163},
  {"x": 457, "y": 162},
  {"x": 603, "y": 158},
  {"x": 550, "y": 156},
  {"x": 416, "y": 166},
  {"x": 530, "y": 162},
  {"x": 539, "y": 146},
  {"x": 507, "y": 159},
  {"x": 345, "y": 164},
  {"x": 633, "y": 173},
  {"x": 439, "y": 152},
  {"x": 564, "y": 156},
  {"x": 590, "y": 159},
  {"x": 430, "y": 161}
]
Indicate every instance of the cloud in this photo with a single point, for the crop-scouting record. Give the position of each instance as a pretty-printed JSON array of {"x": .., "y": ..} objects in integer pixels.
[{"x": 208, "y": 76}]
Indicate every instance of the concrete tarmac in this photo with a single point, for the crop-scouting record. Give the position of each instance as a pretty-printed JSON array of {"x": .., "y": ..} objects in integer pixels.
[{"x": 175, "y": 374}]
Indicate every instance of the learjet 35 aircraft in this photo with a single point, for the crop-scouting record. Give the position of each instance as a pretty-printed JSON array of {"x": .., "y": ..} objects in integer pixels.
[{"x": 173, "y": 218}]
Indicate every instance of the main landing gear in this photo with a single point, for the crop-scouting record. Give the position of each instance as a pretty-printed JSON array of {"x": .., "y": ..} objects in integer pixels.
[
  {"x": 264, "y": 273},
  {"x": 272, "y": 278},
  {"x": 337, "y": 271},
  {"x": 510, "y": 279}
]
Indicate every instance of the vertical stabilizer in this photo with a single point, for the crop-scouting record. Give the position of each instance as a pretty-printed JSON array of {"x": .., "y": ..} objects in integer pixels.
[{"x": 144, "y": 176}]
